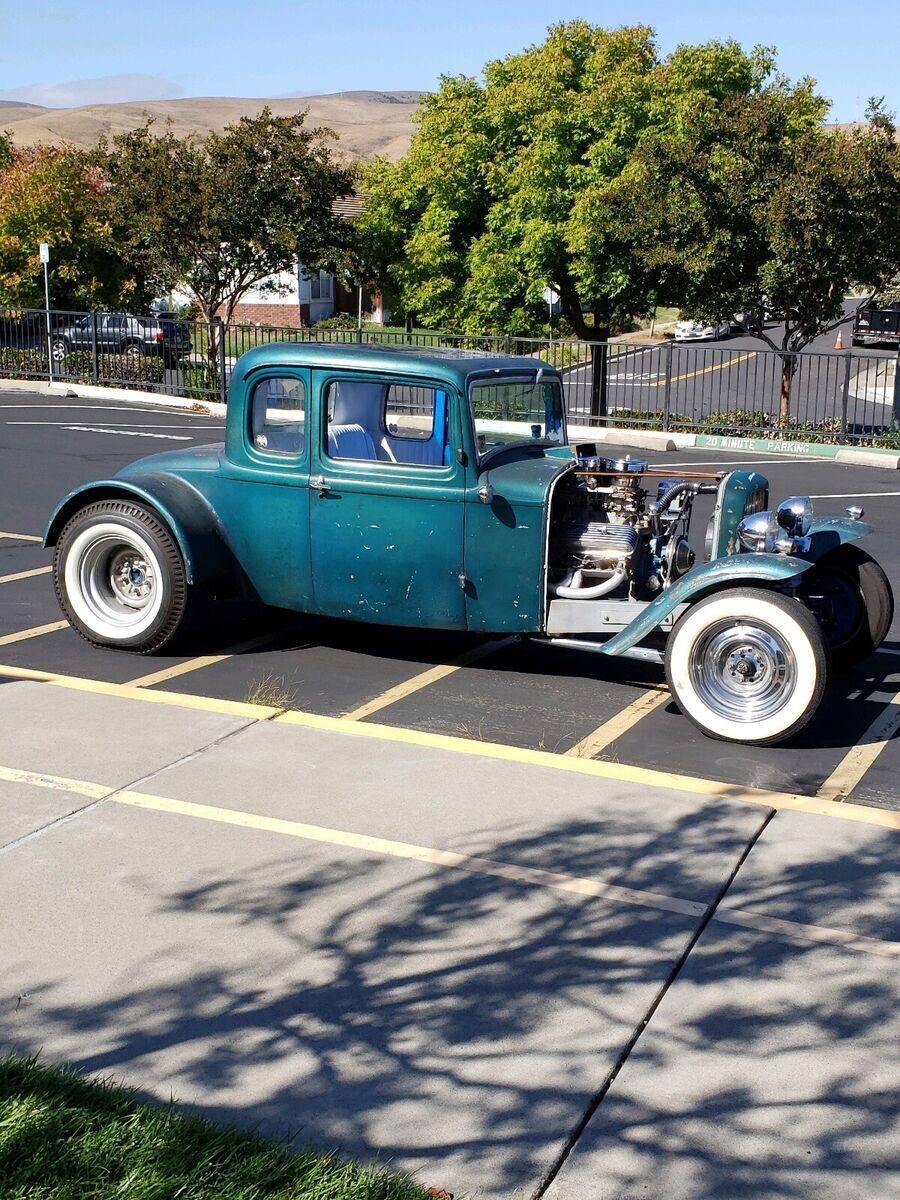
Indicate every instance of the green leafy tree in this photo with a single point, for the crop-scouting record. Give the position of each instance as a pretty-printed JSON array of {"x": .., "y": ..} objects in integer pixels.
[
  {"x": 224, "y": 215},
  {"x": 518, "y": 181},
  {"x": 756, "y": 208},
  {"x": 60, "y": 196}
]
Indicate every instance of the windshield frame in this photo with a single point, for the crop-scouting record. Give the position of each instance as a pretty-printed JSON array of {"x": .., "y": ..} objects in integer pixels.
[{"x": 542, "y": 374}]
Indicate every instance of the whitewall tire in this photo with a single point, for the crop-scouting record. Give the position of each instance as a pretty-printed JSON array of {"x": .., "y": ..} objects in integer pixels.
[
  {"x": 748, "y": 665},
  {"x": 119, "y": 576}
]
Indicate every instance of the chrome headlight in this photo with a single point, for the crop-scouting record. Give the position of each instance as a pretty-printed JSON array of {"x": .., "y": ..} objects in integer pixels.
[
  {"x": 759, "y": 532},
  {"x": 794, "y": 515}
]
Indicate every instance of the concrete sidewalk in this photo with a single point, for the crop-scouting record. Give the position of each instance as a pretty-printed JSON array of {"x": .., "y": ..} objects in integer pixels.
[{"x": 441, "y": 960}]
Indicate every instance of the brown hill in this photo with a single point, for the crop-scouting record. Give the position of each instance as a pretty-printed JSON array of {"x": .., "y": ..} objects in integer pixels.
[{"x": 367, "y": 123}]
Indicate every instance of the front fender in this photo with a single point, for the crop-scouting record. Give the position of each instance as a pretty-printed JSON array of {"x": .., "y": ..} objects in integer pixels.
[
  {"x": 764, "y": 569},
  {"x": 827, "y": 533},
  {"x": 185, "y": 511}
]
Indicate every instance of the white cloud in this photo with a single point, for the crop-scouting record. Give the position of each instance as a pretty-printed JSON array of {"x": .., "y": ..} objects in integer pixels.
[{"x": 108, "y": 89}]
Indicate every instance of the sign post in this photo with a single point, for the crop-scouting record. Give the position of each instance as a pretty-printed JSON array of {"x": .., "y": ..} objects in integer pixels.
[
  {"x": 45, "y": 259},
  {"x": 551, "y": 299}
]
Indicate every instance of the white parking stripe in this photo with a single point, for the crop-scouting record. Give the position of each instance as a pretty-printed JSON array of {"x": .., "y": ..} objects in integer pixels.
[
  {"x": 118, "y": 424},
  {"x": 169, "y": 437},
  {"x": 163, "y": 412},
  {"x": 849, "y": 495}
]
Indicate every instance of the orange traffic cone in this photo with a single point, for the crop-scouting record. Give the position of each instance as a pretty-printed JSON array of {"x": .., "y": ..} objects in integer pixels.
[{"x": 839, "y": 340}]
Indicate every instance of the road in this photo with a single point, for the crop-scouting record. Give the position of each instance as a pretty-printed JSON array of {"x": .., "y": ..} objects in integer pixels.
[
  {"x": 491, "y": 912},
  {"x": 741, "y": 374},
  {"x": 523, "y": 694}
]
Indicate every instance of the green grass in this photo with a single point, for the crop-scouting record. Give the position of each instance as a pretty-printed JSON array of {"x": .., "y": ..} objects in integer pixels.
[{"x": 62, "y": 1138}]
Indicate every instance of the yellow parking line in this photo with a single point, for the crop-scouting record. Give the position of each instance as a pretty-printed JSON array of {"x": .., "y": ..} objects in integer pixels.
[
  {"x": 606, "y": 733},
  {"x": 25, "y": 574},
  {"x": 850, "y": 771},
  {"x": 197, "y": 664},
  {"x": 808, "y": 933},
  {"x": 722, "y": 366},
  {"x": 231, "y": 708},
  {"x": 24, "y": 634},
  {"x": 621, "y": 772},
  {"x": 423, "y": 680},
  {"x": 57, "y": 783},
  {"x": 22, "y": 537},
  {"x": 431, "y": 856}
]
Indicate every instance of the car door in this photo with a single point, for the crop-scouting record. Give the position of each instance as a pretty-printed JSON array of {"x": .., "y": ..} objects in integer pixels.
[
  {"x": 387, "y": 500},
  {"x": 261, "y": 492}
]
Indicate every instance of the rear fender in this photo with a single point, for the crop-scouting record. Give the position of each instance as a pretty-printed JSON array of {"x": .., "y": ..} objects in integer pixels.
[
  {"x": 767, "y": 570},
  {"x": 183, "y": 510}
]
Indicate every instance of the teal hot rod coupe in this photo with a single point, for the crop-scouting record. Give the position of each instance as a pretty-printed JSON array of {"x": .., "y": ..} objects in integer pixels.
[{"x": 437, "y": 489}]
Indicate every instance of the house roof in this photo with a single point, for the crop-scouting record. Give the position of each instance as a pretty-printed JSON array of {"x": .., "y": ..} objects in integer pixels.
[{"x": 349, "y": 207}]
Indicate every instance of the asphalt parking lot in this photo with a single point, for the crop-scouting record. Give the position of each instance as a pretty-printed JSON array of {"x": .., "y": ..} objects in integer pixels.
[{"x": 517, "y": 694}]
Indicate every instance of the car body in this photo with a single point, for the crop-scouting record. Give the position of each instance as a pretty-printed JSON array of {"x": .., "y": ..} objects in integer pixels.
[
  {"x": 701, "y": 331},
  {"x": 877, "y": 324},
  {"x": 114, "y": 333},
  {"x": 437, "y": 489}
]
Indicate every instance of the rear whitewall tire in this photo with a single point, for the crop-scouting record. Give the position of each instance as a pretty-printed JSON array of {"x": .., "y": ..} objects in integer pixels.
[
  {"x": 120, "y": 578},
  {"x": 779, "y": 642}
]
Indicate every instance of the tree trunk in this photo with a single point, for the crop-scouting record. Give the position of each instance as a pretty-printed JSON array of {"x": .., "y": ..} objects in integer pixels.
[
  {"x": 788, "y": 370},
  {"x": 599, "y": 368}
]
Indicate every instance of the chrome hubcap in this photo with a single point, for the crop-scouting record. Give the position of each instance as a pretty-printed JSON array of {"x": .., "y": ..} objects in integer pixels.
[
  {"x": 744, "y": 671},
  {"x": 117, "y": 581}
]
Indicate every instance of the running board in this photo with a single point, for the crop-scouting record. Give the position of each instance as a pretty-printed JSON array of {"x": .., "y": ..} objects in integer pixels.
[{"x": 641, "y": 653}]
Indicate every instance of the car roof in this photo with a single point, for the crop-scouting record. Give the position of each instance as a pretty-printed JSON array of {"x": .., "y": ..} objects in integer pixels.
[{"x": 450, "y": 363}]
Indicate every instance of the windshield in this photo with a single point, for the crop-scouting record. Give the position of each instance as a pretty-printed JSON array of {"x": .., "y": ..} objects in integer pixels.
[{"x": 520, "y": 409}]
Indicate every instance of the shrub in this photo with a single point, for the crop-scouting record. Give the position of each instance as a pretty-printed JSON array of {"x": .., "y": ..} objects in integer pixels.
[
  {"x": 199, "y": 381},
  {"x": 14, "y": 361},
  {"x": 338, "y": 321},
  {"x": 123, "y": 370}
]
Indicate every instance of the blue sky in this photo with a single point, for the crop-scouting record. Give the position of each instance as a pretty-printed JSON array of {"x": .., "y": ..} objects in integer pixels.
[{"x": 279, "y": 47}]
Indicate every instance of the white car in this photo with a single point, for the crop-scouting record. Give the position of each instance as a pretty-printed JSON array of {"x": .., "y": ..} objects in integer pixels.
[{"x": 700, "y": 331}]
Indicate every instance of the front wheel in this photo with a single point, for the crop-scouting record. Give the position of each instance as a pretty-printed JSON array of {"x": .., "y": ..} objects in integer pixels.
[
  {"x": 120, "y": 578},
  {"x": 852, "y": 597},
  {"x": 748, "y": 666}
]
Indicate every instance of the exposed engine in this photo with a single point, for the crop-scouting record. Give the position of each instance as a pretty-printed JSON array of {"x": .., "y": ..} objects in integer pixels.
[{"x": 608, "y": 536}]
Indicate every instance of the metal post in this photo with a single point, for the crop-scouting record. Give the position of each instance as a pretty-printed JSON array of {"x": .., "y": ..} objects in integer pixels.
[
  {"x": 895, "y": 408},
  {"x": 45, "y": 259},
  {"x": 667, "y": 393},
  {"x": 845, "y": 395},
  {"x": 359, "y": 315},
  {"x": 95, "y": 350},
  {"x": 223, "y": 386}
]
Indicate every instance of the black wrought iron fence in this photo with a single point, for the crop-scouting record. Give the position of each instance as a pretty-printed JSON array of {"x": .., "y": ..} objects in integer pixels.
[{"x": 835, "y": 396}]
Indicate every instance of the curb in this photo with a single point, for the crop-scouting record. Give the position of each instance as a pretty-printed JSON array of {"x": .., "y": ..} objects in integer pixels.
[
  {"x": 641, "y": 439},
  {"x": 80, "y": 391}
]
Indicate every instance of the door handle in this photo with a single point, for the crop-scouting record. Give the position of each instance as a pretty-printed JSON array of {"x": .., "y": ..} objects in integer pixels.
[{"x": 319, "y": 483}]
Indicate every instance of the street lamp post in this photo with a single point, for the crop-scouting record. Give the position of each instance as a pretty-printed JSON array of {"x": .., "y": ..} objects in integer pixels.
[{"x": 45, "y": 259}]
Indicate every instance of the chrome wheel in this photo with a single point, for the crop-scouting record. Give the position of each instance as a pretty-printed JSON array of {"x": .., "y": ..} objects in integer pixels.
[
  {"x": 747, "y": 665},
  {"x": 113, "y": 580},
  {"x": 743, "y": 671}
]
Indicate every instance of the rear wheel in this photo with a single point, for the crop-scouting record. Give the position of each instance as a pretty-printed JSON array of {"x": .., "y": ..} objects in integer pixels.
[
  {"x": 120, "y": 578},
  {"x": 854, "y": 601},
  {"x": 747, "y": 666}
]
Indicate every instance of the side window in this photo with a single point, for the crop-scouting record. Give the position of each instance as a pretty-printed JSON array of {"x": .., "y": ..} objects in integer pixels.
[
  {"x": 400, "y": 423},
  {"x": 409, "y": 411},
  {"x": 278, "y": 416}
]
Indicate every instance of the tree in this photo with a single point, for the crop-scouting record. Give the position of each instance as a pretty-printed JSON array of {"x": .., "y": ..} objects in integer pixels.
[
  {"x": 231, "y": 212},
  {"x": 59, "y": 196},
  {"x": 756, "y": 209},
  {"x": 516, "y": 182}
]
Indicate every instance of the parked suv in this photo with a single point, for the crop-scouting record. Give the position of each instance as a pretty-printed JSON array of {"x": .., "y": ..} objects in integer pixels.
[{"x": 135, "y": 336}]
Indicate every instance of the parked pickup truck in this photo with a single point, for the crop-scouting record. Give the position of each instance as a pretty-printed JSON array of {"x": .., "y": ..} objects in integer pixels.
[
  {"x": 117, "y": 334},
  {"x": 877, "y": 324},
  {"x": 436, "y": 489}
]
